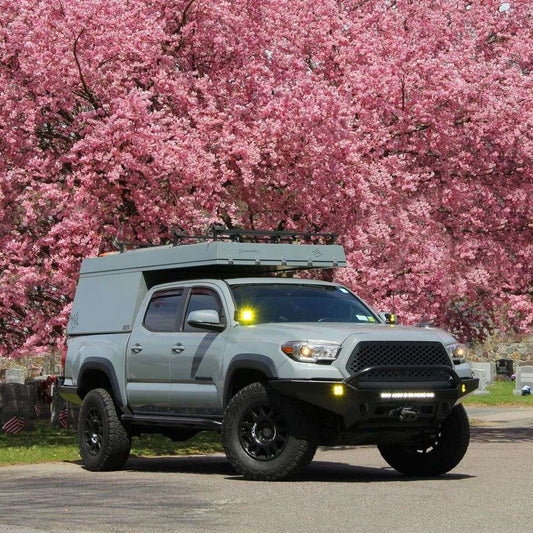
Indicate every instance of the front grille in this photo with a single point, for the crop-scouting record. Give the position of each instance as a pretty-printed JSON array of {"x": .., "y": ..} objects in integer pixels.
[{"x": 399, "y": 353}]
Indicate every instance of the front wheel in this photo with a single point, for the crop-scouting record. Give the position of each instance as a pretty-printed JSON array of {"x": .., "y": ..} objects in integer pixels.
[
  {"x": 267, "y": 437},
  {"x": 435, "y": 457},
  {"x": 104, "y": 443}
]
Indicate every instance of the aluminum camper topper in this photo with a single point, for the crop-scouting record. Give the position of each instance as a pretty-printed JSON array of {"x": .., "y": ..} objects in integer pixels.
[{"x": 221, "y": 335}]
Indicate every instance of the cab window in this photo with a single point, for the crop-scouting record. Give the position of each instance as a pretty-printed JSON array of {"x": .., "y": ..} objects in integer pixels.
[
  {"x": 202, "y": 298},
  {"x": 164, "y": 311}
]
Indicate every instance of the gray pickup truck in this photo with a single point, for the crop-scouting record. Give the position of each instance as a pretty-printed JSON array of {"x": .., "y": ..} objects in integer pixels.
[{"x": 220, "y": 336}]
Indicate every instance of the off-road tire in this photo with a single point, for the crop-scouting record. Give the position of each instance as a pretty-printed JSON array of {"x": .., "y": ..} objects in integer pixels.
[
  {"x": 292, "y": 424},
  {"x": 103, "y": 441},
  {"x": 436, "y": 458}
]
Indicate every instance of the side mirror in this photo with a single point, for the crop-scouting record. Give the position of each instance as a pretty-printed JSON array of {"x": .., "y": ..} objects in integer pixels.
[
  {"x": 388, "y": 317},
  {"x": 205, "y": 319}
]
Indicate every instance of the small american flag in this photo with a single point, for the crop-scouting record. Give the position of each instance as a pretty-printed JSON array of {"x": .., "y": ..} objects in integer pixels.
[
  {"x": 37, "y": 410},
  {"x": 63, "y": 418},
  {"x": 14, "y": 425}
]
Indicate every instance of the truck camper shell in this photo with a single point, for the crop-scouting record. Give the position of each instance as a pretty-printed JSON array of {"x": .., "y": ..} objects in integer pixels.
[{"x": 112, "y": 287}]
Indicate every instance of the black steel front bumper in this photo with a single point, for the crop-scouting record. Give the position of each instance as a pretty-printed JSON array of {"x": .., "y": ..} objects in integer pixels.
[{"x": 375, "y": 403}]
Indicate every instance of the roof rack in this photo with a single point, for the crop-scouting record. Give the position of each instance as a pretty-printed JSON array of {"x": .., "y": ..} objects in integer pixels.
[{"x": 218, "y": 232}]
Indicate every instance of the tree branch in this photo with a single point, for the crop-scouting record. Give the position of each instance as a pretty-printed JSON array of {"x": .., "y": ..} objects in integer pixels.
[
  {"x": 88, "y": 93},
  {"x": 183, "y": 20}
]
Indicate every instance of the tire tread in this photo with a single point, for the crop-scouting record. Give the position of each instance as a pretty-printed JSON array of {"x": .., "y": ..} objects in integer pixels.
[
  {"x": 305, "y": 445},
  {"x": 118, "y": 446},
  {"x": 457, "y": 438}
]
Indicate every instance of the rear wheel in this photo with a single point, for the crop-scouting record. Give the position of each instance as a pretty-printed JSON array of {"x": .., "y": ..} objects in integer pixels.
[
  {"x": 436, "y": 456},
  {"x": 104, "y": 443},
  {"x": 267, "y": 437}
]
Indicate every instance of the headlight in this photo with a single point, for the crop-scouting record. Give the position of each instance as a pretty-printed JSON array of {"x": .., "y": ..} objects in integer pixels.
[
  {"x": 457, "y": 352},
  {"x": 311, "y": 351}
]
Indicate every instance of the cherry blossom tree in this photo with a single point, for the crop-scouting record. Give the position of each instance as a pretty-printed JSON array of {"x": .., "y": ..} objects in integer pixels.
[{"x": 403, "y": 126}]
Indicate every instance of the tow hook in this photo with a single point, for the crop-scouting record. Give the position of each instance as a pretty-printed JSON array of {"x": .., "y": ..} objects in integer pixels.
[{"x": 405, "y": 414}]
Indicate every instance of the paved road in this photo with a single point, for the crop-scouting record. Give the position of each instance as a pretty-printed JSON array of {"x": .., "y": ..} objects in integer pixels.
[
  {"x": 343, "y": 490},
  {"x": 506, "y": 417}
]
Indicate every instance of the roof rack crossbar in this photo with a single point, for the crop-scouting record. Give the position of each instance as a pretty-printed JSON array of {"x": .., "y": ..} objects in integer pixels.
[
  {"x": 217, "y": 232},
  {"x": 239, "y": 235}
]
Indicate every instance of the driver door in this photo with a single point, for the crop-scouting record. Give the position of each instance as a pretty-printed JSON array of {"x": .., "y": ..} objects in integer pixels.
[{"x": 197, "y": 358}]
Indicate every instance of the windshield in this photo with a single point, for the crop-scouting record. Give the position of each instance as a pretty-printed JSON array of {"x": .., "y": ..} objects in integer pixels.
[{"x": 300, "y": 303}]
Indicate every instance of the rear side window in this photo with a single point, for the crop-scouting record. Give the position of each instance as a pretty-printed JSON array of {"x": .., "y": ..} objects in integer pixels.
[{"x": 164, "y": 311}]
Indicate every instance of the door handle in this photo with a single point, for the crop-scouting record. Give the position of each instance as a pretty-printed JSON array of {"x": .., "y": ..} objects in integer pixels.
[
  {"x": 178, "y": 348},
  {"x": 136, "y": 348}
]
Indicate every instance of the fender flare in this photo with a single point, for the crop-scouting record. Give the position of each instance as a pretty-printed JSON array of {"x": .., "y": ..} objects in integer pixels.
[
  {"x": 103, "y": 365},
  {"x": 248, "y": 361}
]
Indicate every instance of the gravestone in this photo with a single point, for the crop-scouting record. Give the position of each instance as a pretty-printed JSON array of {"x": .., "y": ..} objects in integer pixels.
[
  {"x": 524, "y": 376},
  {"x": 481, "y": 374},
  {"x": 487, "y": 367},
  {"x": 17, "y": 400},
  {"x": 505, "y": 368},
  {"x": 15, "y": 375}
]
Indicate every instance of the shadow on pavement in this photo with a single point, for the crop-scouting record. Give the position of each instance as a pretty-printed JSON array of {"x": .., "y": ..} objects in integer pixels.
[
  {"x": 318, "y": 471},
  {"x": 491, "y": 434},
  {"x": 327, "y": 472},
  {"x": 201, "y": 464}
]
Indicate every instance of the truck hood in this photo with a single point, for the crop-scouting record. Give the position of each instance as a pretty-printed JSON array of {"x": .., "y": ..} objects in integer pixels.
[{"x": 339, "y": 332}]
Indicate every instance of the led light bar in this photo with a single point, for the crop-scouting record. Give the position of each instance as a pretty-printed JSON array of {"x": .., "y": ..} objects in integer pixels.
[{"x": 407, "y": 395}]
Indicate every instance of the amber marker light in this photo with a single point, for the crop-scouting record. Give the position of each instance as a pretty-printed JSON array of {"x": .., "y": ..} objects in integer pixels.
[
  {"x": 463, "y": 388},
  {"x": 338, "y": 390},
  {"x": 246, "y": 315}
]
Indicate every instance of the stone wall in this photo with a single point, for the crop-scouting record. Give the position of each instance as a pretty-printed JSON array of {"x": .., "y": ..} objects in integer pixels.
[
  {"x": 32, "y": 365},
  {"x": 520, "y": 349}
]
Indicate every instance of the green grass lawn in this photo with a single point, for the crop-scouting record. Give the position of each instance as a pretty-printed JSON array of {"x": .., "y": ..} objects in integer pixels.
[
  {"x": 45, "y": 443},
  {"x": 500, "y": 394}
]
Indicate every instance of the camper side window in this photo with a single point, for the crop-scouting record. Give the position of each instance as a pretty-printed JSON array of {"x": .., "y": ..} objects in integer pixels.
[{"x": 164, "y": 311}]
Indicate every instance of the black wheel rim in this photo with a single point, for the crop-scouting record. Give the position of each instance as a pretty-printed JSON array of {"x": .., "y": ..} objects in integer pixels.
[
  {"x": 429, "y": 446},
  {"x": 263, "y": 432},
  {"x": 93, "y": 430}
]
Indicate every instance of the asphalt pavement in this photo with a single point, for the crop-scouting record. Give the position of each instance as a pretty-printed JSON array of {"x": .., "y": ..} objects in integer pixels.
[
  {"x": 350, "y": 489},
  {"x": 505, "y": 417}
]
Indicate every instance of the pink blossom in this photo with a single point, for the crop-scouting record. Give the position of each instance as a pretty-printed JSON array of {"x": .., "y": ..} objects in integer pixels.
[{"x": 405, "y": 127}]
